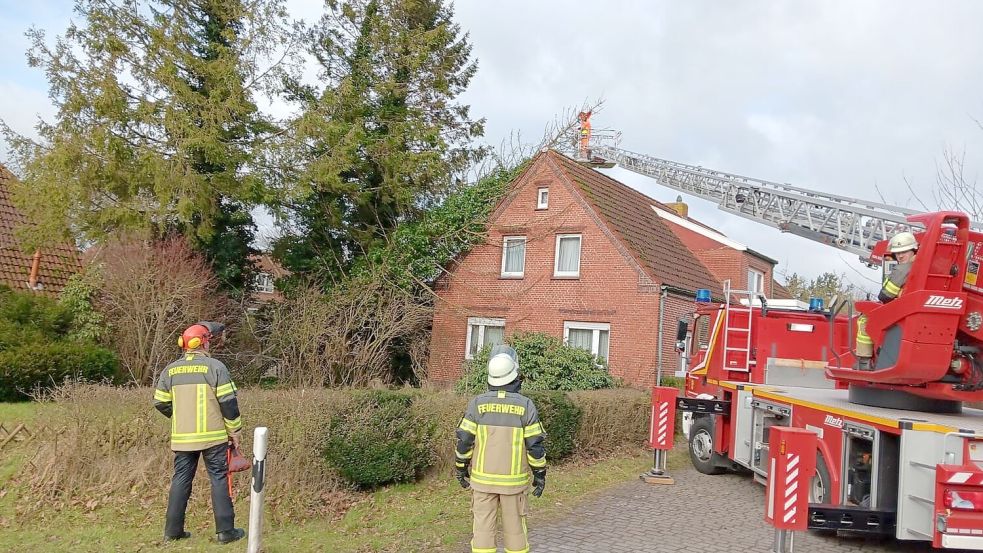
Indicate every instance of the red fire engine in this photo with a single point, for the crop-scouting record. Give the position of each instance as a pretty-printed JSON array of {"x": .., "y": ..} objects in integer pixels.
[{"x": 897, "y": 453}]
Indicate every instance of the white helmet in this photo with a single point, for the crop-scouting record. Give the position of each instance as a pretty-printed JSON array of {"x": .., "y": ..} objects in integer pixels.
[
  {"x": 503, "y": 366},
  {"x": 902, "y": 242}
]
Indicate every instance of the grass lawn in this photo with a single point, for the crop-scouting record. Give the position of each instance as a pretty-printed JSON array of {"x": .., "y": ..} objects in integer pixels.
[{"x": 432, "y": 515}]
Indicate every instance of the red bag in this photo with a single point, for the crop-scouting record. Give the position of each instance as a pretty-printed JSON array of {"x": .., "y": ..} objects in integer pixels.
[{"x": 238, "y": 463}]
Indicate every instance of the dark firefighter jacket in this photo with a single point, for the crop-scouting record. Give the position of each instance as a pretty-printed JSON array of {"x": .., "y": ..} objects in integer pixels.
[{"x": 894, "y": 282}]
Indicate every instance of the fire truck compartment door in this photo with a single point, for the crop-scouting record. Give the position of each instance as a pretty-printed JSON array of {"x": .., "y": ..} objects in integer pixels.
[
  {"x": 744, "y": 428},
  {"x": 921, "y": 451}
]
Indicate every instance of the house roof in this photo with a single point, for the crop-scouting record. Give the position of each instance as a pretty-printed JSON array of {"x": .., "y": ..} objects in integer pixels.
[
  {"x": 58, "y": 262},
  {"x": 630, "y": 215}
]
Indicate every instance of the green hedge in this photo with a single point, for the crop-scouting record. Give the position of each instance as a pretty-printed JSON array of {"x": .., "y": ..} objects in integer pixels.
[
  {"x": 379, "y": 440},
  {"x": 546, "y": 363},
  {"x": 561, "y": 420},
  {"x": 36, "y": 351},
  {"x": 25, "y": 369}
]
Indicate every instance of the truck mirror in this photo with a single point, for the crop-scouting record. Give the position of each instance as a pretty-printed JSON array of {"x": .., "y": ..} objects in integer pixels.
[{"x": 682, "y": 330}]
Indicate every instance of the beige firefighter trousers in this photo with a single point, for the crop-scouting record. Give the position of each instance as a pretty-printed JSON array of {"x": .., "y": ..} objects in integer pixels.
[{"x": 485, "y": 508}]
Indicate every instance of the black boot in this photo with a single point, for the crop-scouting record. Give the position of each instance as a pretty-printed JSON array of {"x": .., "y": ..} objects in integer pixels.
[
  {"x": 230, "y": 536},
  {"x": 183, "y": 536}
]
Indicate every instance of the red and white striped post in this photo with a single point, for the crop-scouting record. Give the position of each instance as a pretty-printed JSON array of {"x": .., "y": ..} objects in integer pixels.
[
  {"x": 661, "y": 433},
  {"x": 793, "y": 464}
]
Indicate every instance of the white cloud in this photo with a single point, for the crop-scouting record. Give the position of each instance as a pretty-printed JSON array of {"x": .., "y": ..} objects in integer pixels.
[{"x": 836, "y": 95}]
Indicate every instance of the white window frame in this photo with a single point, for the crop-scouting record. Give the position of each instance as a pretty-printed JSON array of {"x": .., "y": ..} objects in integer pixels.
[
  {"x": 595, "y": 329},
  {"x": 481, "y": 323},
  {"x": 268, "y": 286},
  {"x": 540, "y": 202},
  {"x": 556, "y": 255},
  {"x": 759, "y": 275},
  {"x": 505, "y": 249}
]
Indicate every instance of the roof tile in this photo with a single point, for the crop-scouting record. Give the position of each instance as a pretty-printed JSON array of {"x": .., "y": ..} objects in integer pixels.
[
  {"x": 58, "y": 263},
  {"x": 629, "y": 213}
]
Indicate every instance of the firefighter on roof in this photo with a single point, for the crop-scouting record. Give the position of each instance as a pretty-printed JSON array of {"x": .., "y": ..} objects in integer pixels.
[
  {"x": 197, "y": 393},
  {"x": 498, "y": 438},
  {"x": 902, "y": 248}
]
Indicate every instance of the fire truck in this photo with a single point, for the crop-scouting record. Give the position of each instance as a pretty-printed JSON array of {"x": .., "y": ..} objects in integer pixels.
[{"x": 899, "y": 453}]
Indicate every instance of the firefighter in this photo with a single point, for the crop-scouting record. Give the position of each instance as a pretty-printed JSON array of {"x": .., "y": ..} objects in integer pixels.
[
  {"x": 902, "y": 248},
  {"x": 499, "y": 437},
  {"x": 197, "y": 393}
]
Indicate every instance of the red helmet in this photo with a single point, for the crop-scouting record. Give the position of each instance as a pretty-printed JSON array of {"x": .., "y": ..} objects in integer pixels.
[{"x": 194, "y": 337}]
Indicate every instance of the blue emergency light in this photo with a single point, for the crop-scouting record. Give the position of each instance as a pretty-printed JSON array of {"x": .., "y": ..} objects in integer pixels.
[
  {"x": 815, "y": 304},
  {"x": 703, "y": 296}
]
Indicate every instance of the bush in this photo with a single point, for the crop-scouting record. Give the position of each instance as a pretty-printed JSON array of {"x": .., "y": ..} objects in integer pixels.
[
  {"x": 36, "y": 350},
  {"x": 560, "y": 419},
  {"x": 26, "y": 369},
  {"x": 36, "y": 313},
  {"x": 380, "y": 440},
  {"x": 546, "y": 364}
]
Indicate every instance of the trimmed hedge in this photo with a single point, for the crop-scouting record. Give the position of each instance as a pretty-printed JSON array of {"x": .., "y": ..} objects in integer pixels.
[
  {"x": 26, "y": 369},
  {"x": 546, "y": 364},
  {"x": 36, "y": 352},
  {"x": 561, "y": 420},
  {"x": 378, "y": 440}
]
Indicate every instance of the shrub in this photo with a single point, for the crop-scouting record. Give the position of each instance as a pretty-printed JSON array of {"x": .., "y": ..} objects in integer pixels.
[
  {"x": 352, "y": 335},
  {"x": 37, "y": 313},
  {"x": 26, "y": 369},
  {"x": 77, "y": 298},
  {"x": 560, "y": 419},
  {"x": 149, "y": 291},
  {"x": 380, "y": 440},
  {"x": 546, "y": 364}
]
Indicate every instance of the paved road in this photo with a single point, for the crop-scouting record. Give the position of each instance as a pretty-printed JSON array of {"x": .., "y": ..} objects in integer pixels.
[{"x": 698, "y": 514}]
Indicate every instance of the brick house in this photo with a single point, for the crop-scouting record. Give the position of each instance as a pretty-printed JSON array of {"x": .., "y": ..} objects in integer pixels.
[
  {"x": 579, "y": 255},
  {"x": 268, "y": 271},
  {"x": 44, "y": 271}
]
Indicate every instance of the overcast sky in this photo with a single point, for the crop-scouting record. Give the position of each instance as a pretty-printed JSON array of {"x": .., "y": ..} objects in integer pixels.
[{"x": 835, "y": 96}]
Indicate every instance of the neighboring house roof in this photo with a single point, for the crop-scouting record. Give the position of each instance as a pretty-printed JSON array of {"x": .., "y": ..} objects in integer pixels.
[
  {"x": 631, "y": 215},
  {"x": 265, "y": 264},
  {"x": 780, "y": 292},
  {"x": 57, "y": 264}
]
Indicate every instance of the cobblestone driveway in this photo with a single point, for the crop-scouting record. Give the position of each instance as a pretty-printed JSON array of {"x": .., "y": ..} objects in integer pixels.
[{"x": 699, "y": 513}]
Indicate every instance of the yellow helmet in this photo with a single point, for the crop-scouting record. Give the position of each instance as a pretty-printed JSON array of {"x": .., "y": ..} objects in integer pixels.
[{"x": 902, "y": 242}]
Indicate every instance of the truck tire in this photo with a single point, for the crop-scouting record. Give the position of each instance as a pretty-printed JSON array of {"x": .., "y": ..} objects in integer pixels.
[
  {"x": 701, "y": 452},
  {"x": 819, "y": 487}
]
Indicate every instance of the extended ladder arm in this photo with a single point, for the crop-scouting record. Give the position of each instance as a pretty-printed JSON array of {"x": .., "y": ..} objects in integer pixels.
[{"x": 846, "y": 223}]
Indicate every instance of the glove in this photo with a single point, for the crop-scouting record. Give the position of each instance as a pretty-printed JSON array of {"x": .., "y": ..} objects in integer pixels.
[
  {"x": 463, "y": 473},
  {"x": 538, "y": 481}
]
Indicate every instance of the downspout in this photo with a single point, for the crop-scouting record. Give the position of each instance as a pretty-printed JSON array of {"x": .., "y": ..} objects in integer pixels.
[
  {"x": 32, "y": 280},
  {"x": 658, "y": 348}
]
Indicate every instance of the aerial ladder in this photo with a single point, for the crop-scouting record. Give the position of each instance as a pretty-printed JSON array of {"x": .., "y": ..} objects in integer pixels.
[
  {"x": 929, "y": 342},
  {"x": 850, "y": 224}
]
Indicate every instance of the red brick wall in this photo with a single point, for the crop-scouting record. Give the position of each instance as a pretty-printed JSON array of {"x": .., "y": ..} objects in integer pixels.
[
  {"x": 728, "y": 263},
  {"x": 611, "y": 288}
]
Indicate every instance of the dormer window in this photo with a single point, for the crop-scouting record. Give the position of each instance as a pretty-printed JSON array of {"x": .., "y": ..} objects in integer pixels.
[{"x": 542, "y": 198}]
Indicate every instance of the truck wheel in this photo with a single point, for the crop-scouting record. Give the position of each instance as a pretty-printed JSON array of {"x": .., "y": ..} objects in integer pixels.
[
  {"x": 819, "y": 487},
  {"x": 701, "y": 447}
]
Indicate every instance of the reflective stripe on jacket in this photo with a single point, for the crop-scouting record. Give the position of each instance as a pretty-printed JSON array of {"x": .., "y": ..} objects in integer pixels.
[
  {"x": 198, "y": 394},
  {"x": 895, "y": 282},
  {"x": 501, "y": 436}
]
